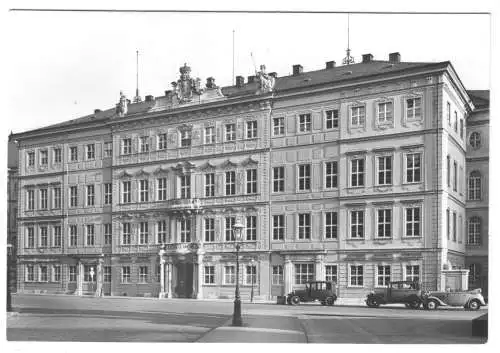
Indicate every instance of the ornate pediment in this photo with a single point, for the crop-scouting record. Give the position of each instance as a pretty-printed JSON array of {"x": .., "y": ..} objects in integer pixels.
[
  {"x": 228, "y": 164},
  {"x": 124, "y": 174},
  {"x": 141, "y": 172},
  {"x": 185, "y": 127},
  {"x": 160, "y": 170},
  {"x": 184, "y": 167},
  {"x": 249, "y": 161},
  {"x": 206, "y": 166}
]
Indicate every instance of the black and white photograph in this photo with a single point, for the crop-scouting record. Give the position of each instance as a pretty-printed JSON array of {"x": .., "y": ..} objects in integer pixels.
[{"x": 242, "y": 173}]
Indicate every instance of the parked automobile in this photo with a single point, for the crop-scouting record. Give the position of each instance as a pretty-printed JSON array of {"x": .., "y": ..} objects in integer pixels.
[
  {"x": 472, "y": 300},
  {"x": 404, "y": 292},
  {"x": 322, "y": 291}
]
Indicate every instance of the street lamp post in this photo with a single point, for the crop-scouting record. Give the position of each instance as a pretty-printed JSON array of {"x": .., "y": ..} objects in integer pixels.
[
  {"x": 9, "y": 294},
  {"x": 237, "y": 321},
  {"x": 253, "y": 279}
]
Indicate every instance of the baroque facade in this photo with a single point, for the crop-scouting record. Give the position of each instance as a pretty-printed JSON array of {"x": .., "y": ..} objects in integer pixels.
[{"x": 355, "y": 173}]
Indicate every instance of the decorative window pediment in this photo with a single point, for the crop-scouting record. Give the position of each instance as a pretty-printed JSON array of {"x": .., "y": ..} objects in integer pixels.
[
  {"x": 160, "y": 170},
  {"x": 141, "y": 172},
  {"x": 124, "y": 174},
  {"x": 249, "y": 161},
  {"x": 184, "y": 167},
  {"x": 207, "y": 166},
  {"x": 227, "y": 164},
  {"x": 185, "y": 127}
]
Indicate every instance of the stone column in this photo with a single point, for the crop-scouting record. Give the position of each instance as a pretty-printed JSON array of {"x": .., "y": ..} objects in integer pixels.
[
  {"x": 100, "y": 274},
  {"x": 169, "y": 278},
  {"x": 288, "y": 275},
  {"x": 162, "y": 272},
  {"x": 318, "y": 268},
  {"x": 79, "y": 279},
  {"x": 199, "y": 274}
]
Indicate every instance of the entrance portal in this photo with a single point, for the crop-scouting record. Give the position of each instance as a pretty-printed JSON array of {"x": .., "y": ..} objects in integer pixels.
[{"x": 184, "y": 285}]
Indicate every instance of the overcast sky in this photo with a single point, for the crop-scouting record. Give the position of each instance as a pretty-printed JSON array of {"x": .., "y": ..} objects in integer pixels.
[{"x": 66, "y": 64}]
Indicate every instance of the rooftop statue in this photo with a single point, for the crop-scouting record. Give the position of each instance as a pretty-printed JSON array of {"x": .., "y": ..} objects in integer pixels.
[
  {"x": 266, "y": 81},
  {"x": 121, "y": 107},
  {"x": 185, "y": 85}
]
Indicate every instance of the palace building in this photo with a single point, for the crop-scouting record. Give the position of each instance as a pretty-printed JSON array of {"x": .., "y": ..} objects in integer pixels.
[{"x": 353, "y": 173}]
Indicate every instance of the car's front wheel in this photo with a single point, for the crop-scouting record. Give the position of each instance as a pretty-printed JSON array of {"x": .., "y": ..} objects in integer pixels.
[
  {"x": 431, "y": 305},
  {"x": 295, "y": 300},
  {"x": 474, "y": 304},
  {"x": 330, "y": 301},
  {"x": 372, "y": 302}
]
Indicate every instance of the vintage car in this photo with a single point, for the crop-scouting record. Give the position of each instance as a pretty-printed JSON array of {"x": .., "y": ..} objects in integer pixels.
[
  {"x": 472, "y": 300},
  {"x": 404, "y": 292},
  {"x": 322, "y": 291}
]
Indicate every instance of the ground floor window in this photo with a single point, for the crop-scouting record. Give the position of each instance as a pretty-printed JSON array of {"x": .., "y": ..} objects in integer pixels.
[
  {"x": 72, "y": 273},
  {"x": 251, "y": 275},
  {"x": 277, "y": 275},
  {"x": 356, "y": 276},
  {"x": 229, "y": 275},
  {"x": 143, "y": 274},
  {"x": 331, "y": 273},
  {"x": 383, "y": 275},
  {"x": 474, "y": 271},
  {"x": 107, "y": 274},
  {"x": 304, "y": 273},
  {"x": 209, "y": 275},
  {"x": 126, "y": 274},
  {"x": 56, "y": 273},
  {"x": 30, "y": 273},
  {"x": 413, "y": 273},
  {"x": 43, "y": 275}
]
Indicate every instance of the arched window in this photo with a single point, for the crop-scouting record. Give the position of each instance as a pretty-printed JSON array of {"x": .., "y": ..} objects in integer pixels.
[
  {"x": 475, "y": 185},
  {"x": 474, "y": 231},
  {"x": 475, "y": 140}
]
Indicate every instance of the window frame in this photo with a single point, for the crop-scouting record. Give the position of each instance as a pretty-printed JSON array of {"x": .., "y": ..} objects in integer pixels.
[
  {"x": 304, "y": 226},
  {"x": 386, "y": 173},
  {"x": 230, "y": 132},
  {"x": 405, "y": 221},
  {"x": 90, "y": 152},
  {"x": 209, "y": 138},
  {"x": 143, "y": 233},
  {"x": 229, "y": 275},
  {"x": 279, "y": 124},
  {"x": 126, "y": 194},
  {"x": 279, "y": 227},
  {"x": 144, "y": 190},
  {"x": 358, "y": 226},
  {"x": 90, "y": 191},
  {"x": 333, "y": 176},
  {"x": 209, "y": 275},
  {"x": 420, "y": 167},
  {"x": 230, "y": 185},
  {"x": 475, "y": 140},
  {"x": 360, "y": 116},
  {"x": 108, "y": 193},
  {"x": 357, "y": 275},
  {"x": 209, "y": 229},
  {"x": 356, "y": 174},
  {"x": 304, "y": 123},
  {"x": 331, "y": 276},
  {"x": 331, "y": 228},
  {"x": 414, "y": 108},
  {"x": 474, "y": 237},
  {"x": 251, "y": 228},
  {"x": 251, "y": 131},
  {"x": 277, "y": 275},
  {"x": 383, "y": 277},
  {"x": 331, "y": 117},
  {"x": 161, "y": 183},
  {"x": 280, "y": 180},
  {"x": 304, "y": 177},
  {"x": 209, "y": 184},
  {"x": 161, "y": 141},
  {"x": 474, "y": 186},
  {"x": 388, "y": 114},
  {"x": 251, "y": 181},
  {"x": 143, "y": 144},
  {"x": 303, "y": 273}
]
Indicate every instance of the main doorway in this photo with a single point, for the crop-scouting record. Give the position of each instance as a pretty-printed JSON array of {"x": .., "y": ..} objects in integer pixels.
[{"x": 184, "y": 285}]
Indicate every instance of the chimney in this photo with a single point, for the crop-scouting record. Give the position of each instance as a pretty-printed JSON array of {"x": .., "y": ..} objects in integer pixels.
[
  {"x": 149, "y": 98},
  {"x": 97, "y": 111},
  {"x": 251, "y": 79},
  {"x": 367, "y": 58},
  {"x": 297, "y": 69},
  {"x": 330, "y": 64},
  {"x": 395, "y": 57},
  {"x": 240, "y": 81}
]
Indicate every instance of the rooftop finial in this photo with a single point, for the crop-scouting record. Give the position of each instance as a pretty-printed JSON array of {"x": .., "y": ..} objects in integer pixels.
[
  {"x": 348, "y": 59},
  {"x": 137, "y": 98}
]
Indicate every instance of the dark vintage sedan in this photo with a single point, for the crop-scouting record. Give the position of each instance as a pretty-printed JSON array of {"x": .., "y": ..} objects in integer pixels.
[
  {"x": 397, "y": 292},
  {"x": 322, "y": 291}
]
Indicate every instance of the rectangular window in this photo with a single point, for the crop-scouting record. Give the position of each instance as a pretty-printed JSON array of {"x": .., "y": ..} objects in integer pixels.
[
  {"x": 73, "y": 235},
  {"x": 448, "y": 224},
  {"x": 161, "y": 142},
  {"x": 72, "y": 273},
  {"x": 31, "y": 199},
  {"x": 331, "y": 225},
  {"x": 413, "y": 167},
  {"x": 209, "y": 275},
  {"x": 143, "y": 274},
  {"x": 44, "y": 157},
  {"x": 385, "y": 112},
  {"x": 251, "y": 129},
  {"x": 412, "y": 273},
  {"x": 278, "y": 227},
  {"x": 30, "y": 273},
  {"x": 209, "y": 185},
  {"x": 162, "y": 189},
  {"x": 448, "y": 113},
  {"x": 90, "y": 235},
  {"x": 162, "y": 232},
  {"x": 143, "y": 233},
  {"x": 455, "y": 123},
  {"x": 413, "y": 108},
  {"x": 356, "y": 276},
  {"x": 89, "y": 274},
  {"x": 126, "y": 274},
  {"x": 209, "y": 229},
  {"x": 474, "y": 231},
  {"x": 108, "y": 234},
  {"x": 358, "y": 116},
  {"x": 185, "y": 230},
  {"x": 108, "y": 149},
  {"x": 251, "y": 228},
  {"x": 384, "y": 223},
  {"x": 454, "y": 226},
  {"x": 278, "y": 179},
  {"x": 44, "y": 239},
  {"x": 90, "y": 151},
  {"x": 73, "y": 196},
  {"x": 57, "y": 197},
  {"x": 126, "y": 192},
  {"x": 57, "y": 241},
  {"x": 383, "y": 275},
  {"x": 357, "y": 224},
  {"x": 304, "y": 226},
  {"x": 126, "y": 146},
  {"x": 331, "y": 175},
  {"x": 413, "y": 221},
  {"x": 126, "y": 234},
  {"x": 144, "y": 144},
  {"x": 44, "y": 273},
  {"x": 305, "y": 177},
  {"x": 278, "y": 126},
  {"x": 357, "y": 172},
  {"x": 277, "y": 279},
  {"x": 305, "y": 123},
  {"x": 384, "y": 170},
  {"x": 461, "y": 128},
  {"x": 210, "y": 135},
  {"x": 185, "y": 138},
  {"x": 304, "y": 273},
  {"x": 230, "y": 183},
  {"x": 43, "y": 199},
  {"x": 90, "y": 195},
  {"x": 230, "y": 132},
  {"x": 107, "y": 274},
  {"x": 331, "y": 273},
  {"x": 448, "y": 170},
  {"x": 332, "y": 119},
  {"x": 57, "y": 155},
  {"x": 31, "y": 159},
  {"x": 56, "y": 273},
  {"x": 73, "y": 154},
  {"x": 229, "y": 275},
  {"x": 228, "y": 226},
  {"x": 455, "y": 176},
  {"x": 250, "y": 275},
  {"x": 108, "y": 193},
  {"x": 185, "y": 186},
  {"x": 144, "y": 190},
  {"x": 251, "y": 181}
]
